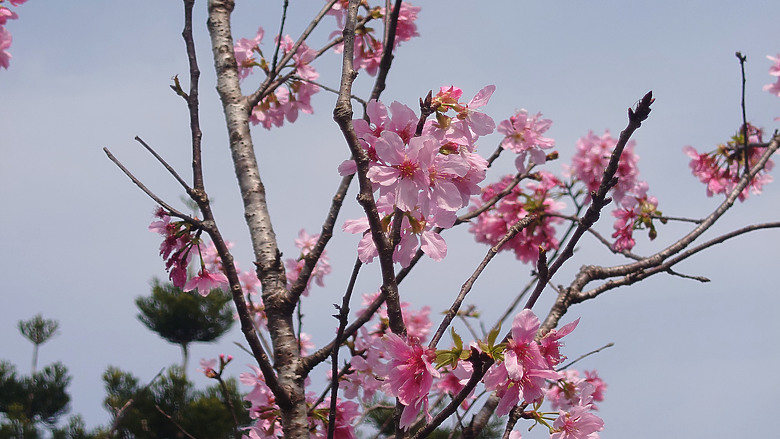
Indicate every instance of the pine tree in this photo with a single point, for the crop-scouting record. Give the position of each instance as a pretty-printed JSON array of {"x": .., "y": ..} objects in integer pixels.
[{"x": 185, "y": 317}]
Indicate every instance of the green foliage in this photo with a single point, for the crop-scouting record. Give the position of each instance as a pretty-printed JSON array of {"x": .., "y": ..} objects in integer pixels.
[
  {"x": 38, "y": 330},
  {"x": 450, "y": 357},
  {"x": 494, "y": 351},
  {"x": 42, "y": 397},
  {"x": 169, "y": 405},
  {"x": 184, "y": 317}
]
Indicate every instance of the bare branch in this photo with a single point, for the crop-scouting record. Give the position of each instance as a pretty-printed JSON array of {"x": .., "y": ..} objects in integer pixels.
[
  {"x": 599, "y": 198},
  {"x": 144, "y": 189},
  {"x": 342, "y": 114},
  {"x": 165, "y": 164},
  {"x": 464, "y": 290},
  {"x": 571, "y": 363}
]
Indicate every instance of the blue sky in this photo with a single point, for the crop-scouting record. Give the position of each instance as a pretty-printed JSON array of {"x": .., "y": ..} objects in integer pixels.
[{"x": 89, "y": 74}]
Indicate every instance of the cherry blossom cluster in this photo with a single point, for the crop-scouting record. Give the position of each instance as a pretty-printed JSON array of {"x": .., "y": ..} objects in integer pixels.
[
  {"x": 564, "y": 393},
  {"x": 180, "y": 241},
  {"x": 368, "y": 46},
  {"x": 722, "y": 168},
  {"x": 422, "y": 180},
  {"x": 592, "y": 157},
  {"x": 285, "y": 101},
  {"x": 538, "y": 198},
  {"x": 293, "y": 267},
  {"x": 264, "y": 410},
  {"x": 523, "y": 135},
  {"x": 634, "y": 209},
  {"x": 5, "y": 36},
  {"x": 525, "y": 372}
]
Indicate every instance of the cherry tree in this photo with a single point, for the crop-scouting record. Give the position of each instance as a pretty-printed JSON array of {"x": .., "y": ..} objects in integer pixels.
[{"x": 421, "y": 170}]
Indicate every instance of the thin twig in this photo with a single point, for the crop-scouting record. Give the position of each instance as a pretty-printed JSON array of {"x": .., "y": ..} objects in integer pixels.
[
  {"x": 165, "y": 164},
  {"x": 742, "y": 58},
  {"x": 464, "y": 290},
  {"x": 172, "y": 211},
  {"x": 170, "y": 418},
  {"x": 599, "y": 197},
  {"x": 280, "y": 35},
  {"x": 569, "y": 364},
  {"x": 343, "y": 317}
]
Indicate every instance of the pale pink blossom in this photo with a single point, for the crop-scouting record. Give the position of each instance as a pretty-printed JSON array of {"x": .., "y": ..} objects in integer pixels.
[
  {"x": 774, "y": 88},
  {"x": 523, "y": 136},
  {"x": 578, "y": 422},
  {"x": 207, "y": 367},
  {"x": 293, "y": 267},
  {"x": 205, "y": 281},
  {"x": 592, "y": 156},
  {"x": 245, "y": 50},
  {"x": 403, "y": 171}
]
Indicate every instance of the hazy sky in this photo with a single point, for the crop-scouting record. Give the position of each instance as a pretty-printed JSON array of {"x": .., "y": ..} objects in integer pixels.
[{"x": 89, "y": 74}]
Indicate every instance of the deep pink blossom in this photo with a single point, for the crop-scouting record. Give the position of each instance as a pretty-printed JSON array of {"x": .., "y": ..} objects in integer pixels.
[
  {"x": 722, "y": 169},
  {"x": 537, "y": 198},
  {"x": 7, "y": 14},
  {"x": 523, "y": 374},
  {"x": 409, "y": 375},
  {"x": 5, "y": 43},
  {"x": 346, "y": 414}
]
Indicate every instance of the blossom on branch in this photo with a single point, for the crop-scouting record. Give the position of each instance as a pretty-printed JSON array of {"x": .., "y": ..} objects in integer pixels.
[
  {"x": 722, "y": 169},
  {"x": 523, "y": 136},
  {"x": 409, "y": 375},
  {"x": 538, "y": 198}
]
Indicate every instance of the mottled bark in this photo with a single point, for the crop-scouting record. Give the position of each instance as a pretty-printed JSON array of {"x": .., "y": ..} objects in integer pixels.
[{"x": 270, "y": 270}]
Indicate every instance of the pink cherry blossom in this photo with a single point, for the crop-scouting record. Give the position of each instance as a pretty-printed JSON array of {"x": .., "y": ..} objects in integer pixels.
[
  {"x": 346, "y": 413},
  {"x": 403, "y": 171},
  {"x": 523, "y": 135},
  {"x": 537, "y": 198},
  {"x": 774, "y": 71},
  {"x": 409, "y": 375},
  {"x": 205, "y": 281},
  {"x": 722, "y": 169},
  {"x": 406, "y": 29},
  {"x": 592, "y": 156},
  {"x": 293, "y": 267},
  {"x": 286, "y": 100},
  {"x": 245, "y": 50},
  {"x": 523, "y": 374},
  {"x": 578, "y": 422},
  {"x": 368, "y": 47},
  {"x": 7, "y": 14},
  {"x": 5, "y": 43},
  {"x": 207, "y": 367}
]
